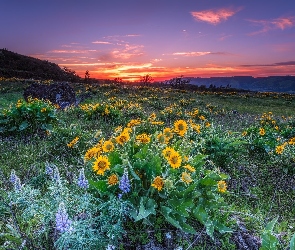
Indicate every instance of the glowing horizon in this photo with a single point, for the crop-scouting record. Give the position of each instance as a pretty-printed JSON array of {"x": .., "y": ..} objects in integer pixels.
[{"x": 117, "y": 40}]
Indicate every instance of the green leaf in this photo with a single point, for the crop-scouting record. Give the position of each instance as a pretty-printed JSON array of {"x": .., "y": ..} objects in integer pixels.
[
  {"x": 147, "y": 207},
  {"x": 136, "y": 177},
  {"x": 292, "y": 243},
  {"x": 102, "y": 186},
  {"x": 114, "y": 158},
  {"x": 207, "y": 181},
  {"x": 23, "y": 125},
  {"x": 188, "y": 191},
  {"x": 201, "y": 214},
  {"x": 222, "y": 228},
  {"x": 181, "y": 205},
  {"x": 176, "y": 220},
  {"x": 166, "y": 213},
  {"x": 269, "y": 242},
  {"x": 271, "y": 224}
]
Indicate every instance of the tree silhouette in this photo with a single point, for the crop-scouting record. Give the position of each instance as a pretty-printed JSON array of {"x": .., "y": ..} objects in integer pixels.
[
  {"x": 147, "y": 79},
  {"x": 87, "y": 76}
]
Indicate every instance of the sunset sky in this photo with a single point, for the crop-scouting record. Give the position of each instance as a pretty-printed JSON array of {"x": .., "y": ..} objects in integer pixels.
[{"x": 164, "y": 38}]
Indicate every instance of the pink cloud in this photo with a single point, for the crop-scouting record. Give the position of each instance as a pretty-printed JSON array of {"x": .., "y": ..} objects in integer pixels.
[
  {"x": 277, "y": 23},
  {"x": 214, "y": 16},
  {"x": 191, "y": 53},
  {"x": 197, "y": 53},
  {"x": 101, "y": 42},
  {"x": 223, "y": 37}
]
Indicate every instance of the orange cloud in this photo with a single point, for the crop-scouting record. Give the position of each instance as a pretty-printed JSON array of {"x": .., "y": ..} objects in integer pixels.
[
  {"x": 214, "y": 16},
  {"x": 278, "y": 23}
]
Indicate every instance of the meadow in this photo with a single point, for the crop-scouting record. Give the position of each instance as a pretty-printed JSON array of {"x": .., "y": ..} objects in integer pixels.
[{"x": 142, "y": 167}]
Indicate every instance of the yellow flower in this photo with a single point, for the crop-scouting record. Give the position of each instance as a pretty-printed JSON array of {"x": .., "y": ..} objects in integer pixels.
[
  {"x": 174, "y": 160},
  {"x": 118, "y": 129},
  {"x": 262, "y": 131},
  {"x": 157, "y": 123},
  {"x": 106, "y": 111},
  {"x": 196, "y": 127},
  {"x": 190, "y": 168},
  {"x": 113, "y": 179},
  {"x": 19, "y": 103},
  {"x": 201, "y": 117},
  {"x": 158, "y": 183},
  {"x": 244, "y": 133},
  {"x": 180, "y": 127},
  {"x": 280, "y": 149},
  {"x": 221, "y": 186},
  {"x": 101, "y": 165},
  {"x": 207, "y": 124},
  {"x": 73, "y": 142},
  {"x": 292, "y": 141},
  {"x": 122, "y": 138},
  {"x": 108, "y": 146},
  {"x": 133, "y": 123},
  {"x": 168, "y": 133},
  {"x": 143, "y": 138},
  {"x": 91, "y": 153},
  {"x": 43, "y": 110},
  {"x": 167, "y": 152},
  {"x": 152, "y": 117},
  {"x": 161, "y": 138},
  {"x": 185, "y": 177}
]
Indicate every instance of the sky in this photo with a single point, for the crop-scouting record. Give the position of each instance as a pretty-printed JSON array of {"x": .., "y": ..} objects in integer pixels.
[{"x": 128, "y": 39}]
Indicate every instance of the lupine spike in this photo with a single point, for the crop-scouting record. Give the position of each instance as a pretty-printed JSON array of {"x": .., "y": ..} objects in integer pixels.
[
  {"x": 82, "y": 181},
  {"x": 17, "y": 184},
  {"x": 63, "y": 223},
  {"x": 12, "y": 176},
  {"x": 124, "y": 184}
]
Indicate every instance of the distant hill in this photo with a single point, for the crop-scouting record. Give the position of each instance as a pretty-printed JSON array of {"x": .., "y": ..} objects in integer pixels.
[
  {"x": 15, "y": 65},
  {"x": 264, "y": 84}
]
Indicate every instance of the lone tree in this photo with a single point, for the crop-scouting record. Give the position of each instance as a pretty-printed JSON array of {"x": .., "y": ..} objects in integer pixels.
[
  {"x": 147, "y": 79},
  {"x": 87, "y": 76}
]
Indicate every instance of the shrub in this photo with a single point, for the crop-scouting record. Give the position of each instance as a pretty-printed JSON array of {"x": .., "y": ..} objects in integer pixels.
[
  {"x": 159, "y": 174},
  {"x": 34, "y": 116}
]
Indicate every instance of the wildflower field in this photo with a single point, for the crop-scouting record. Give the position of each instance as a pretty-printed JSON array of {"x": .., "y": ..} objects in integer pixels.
[{"x": 137, "y": 167}]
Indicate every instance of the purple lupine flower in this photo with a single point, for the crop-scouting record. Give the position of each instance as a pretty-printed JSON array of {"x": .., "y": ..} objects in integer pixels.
[
  {"x": 62, "y": 221},
  {"x": 56, "y": 175},
  {"x": 124, "y": 184},
  {"x": 48, "y": 169},
  {"x": 13, "y": 176},
  {"x": 17, "y": 184},
  {"x": 82, "y": 181}
]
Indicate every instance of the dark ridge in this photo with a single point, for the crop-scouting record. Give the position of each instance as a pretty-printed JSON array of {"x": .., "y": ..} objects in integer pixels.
[{"x": 15, "y": 65}]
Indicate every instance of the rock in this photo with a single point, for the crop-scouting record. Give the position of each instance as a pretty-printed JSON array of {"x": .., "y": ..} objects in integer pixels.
[{"x": 57, "y": 93}]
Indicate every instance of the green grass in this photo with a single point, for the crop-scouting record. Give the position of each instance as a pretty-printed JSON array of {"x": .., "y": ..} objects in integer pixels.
[{"x": 258, "y": 190}]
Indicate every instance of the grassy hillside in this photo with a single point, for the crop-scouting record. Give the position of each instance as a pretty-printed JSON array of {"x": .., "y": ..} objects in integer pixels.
[{"x": 20, "y": 66}]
